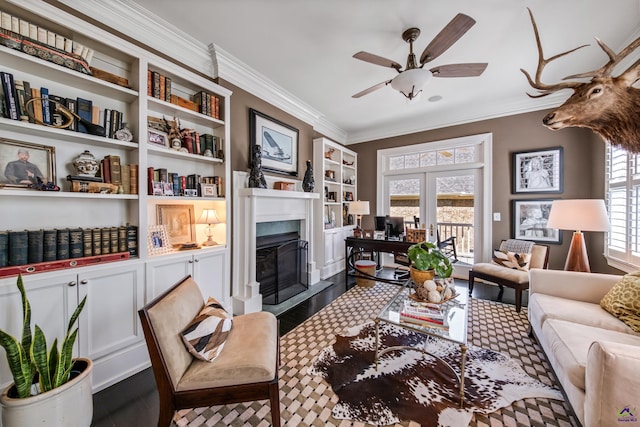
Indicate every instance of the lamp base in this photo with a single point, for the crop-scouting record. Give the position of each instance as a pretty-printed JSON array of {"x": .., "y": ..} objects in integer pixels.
[
  {"x": 577, "y": 258},
  {"x": 209, "y": 242}
]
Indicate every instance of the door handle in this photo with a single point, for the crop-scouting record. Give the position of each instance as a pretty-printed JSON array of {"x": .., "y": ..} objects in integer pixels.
[
  {"x": 71, "y": 284},
  {"x": 84, "y": 282},
  {"x": 431, "y": 230}
]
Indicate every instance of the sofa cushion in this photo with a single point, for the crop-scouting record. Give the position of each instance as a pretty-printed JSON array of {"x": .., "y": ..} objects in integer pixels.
[
  {"x": 205, "y": 336},
  {"x": 623, "y": 300},
  {"x": 249, "y": 356},
  {"x": 543, "y": 307},
  {"x": 514, "y": 260},
  {"x": 569, "y": 344},
  {"x": 516, "y": 276}
]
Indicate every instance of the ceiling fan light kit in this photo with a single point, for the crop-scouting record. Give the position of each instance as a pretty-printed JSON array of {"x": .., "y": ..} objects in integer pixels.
[{"x": 413, "y": 79}]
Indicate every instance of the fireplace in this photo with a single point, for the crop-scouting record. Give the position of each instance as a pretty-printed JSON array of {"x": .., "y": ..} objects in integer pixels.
[{"x": 281, "y": 266}]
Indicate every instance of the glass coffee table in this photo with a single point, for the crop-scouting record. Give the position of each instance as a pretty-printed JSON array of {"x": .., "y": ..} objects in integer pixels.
[{"x": 454, "y": 329}]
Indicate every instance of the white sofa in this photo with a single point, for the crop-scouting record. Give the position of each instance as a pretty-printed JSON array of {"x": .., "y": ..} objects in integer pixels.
[{"x": 595, "y": 356}]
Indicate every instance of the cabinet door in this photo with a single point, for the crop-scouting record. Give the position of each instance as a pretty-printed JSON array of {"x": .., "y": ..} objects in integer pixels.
[
  {"x": 52, "y": 301},
  {"x": 164, "y": 272},
  {"x": 329, "y": 249},
  {"x": 209, "y": 272},
  {"x": 109, "y": 321}
]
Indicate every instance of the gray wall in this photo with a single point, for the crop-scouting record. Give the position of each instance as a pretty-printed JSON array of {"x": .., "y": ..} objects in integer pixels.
[{"x": 583, "y": 161}]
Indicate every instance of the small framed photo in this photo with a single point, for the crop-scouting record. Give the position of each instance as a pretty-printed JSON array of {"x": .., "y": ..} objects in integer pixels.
[
  {"x": 157, "y": 137},
  {"x": 530, "y": 221},
  {"x": 158, "y": 240},
  {"x": 330, "y": 175},
  {"x": 167, "y": 188},
  {"x": 208, "y": 190},
  {"x": 539, "y": 171},
  {"x": 348, "y": 196},
  {"x": 158, "y": 188},
  {"x": 179, "y": 222},
  {"x": 22, "y": 164}
]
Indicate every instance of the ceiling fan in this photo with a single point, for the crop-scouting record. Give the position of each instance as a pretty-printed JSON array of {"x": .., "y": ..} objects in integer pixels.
[{"x": 411, "y": 81}]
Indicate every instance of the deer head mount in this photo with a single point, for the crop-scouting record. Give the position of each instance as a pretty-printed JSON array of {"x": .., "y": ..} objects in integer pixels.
[{"x": 609, "y": 106}]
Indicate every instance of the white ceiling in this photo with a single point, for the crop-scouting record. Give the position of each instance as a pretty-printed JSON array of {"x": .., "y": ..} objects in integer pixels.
[{"x": 305, "y": 47}]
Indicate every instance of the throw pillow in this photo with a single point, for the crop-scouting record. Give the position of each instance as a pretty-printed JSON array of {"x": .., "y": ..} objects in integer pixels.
[
  {"x": 623, "y": 300},
  {"x": 513, "y": 260},
  {"x": 205, "y": 336}
]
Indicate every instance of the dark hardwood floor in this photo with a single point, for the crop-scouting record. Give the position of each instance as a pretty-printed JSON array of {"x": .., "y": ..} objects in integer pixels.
[{"x": 134, "y": 401}]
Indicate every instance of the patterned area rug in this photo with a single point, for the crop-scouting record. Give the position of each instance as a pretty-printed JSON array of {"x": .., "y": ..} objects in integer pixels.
[
  {"x": 307, "y": 400},
  {"x": 409, "y": 385}
]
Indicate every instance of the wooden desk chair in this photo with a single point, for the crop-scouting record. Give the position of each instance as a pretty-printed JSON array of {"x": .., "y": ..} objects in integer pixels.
[
  {"x": 245, "y": 370},
  {"x": 511, "y": 278}
]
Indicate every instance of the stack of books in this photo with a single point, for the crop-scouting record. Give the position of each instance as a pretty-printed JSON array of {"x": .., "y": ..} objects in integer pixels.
[{"x": 429, "y": 315}]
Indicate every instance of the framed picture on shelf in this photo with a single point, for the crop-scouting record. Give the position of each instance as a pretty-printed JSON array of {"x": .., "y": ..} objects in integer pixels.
[
  {"x": 22, "y": 163},
  {"x": 179, "y": 222},
  {"x": 279, "y": 143},
  {"x": 158, "y": 240},
  {"x": 208, "y": 190},
  {"x": 530, "y": 221},
  {"x": 157, "y": 137},
  {"x": 330, "y": 175},
  {"x": 538, "y": 171},
  {"x": 348, "y": 196}
]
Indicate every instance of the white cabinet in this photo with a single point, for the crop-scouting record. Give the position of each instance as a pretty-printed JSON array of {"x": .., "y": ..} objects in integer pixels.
[
  {"x": 108, "y": 327},
  {"x": 335, "y": 175},
  {"x": 208, "y": 269}
]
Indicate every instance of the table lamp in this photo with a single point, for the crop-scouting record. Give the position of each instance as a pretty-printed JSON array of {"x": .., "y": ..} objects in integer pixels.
[
  {"x": 579, "y": 215},
  {"x": 210, "y": 218},
  {"x": 358, "y": 208}
]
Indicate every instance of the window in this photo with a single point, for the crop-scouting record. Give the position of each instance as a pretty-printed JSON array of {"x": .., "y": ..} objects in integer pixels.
[
  {"x": 457, "y": 155},
  {"x": 623, "y": 200}
]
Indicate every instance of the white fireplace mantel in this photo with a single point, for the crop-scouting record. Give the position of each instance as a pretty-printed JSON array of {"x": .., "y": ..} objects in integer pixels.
[{"x": 256, "y": 205}]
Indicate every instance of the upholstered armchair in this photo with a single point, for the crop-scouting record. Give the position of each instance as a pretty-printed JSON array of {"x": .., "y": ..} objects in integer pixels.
[{"x": 510, "y": 267}]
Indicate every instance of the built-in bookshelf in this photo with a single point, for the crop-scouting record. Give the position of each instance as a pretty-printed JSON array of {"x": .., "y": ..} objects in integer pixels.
[
  {"x": 335, "y": 174},
  {"x": 178, "y": 142}
]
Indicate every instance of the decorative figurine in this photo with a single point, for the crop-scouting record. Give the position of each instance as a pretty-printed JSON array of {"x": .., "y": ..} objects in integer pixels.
[
  {"x": 256, "y": 177},
  {"x": 308, "y": 183},
  {"x": 86, "y": 164}
]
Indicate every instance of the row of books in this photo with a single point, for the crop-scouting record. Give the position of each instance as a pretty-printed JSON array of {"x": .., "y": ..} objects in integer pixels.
[
  {"x": 46, "y": 107},
  {"x": 202, "y": 144},
  {"x": 118, "y": 177},
  {"x": 422, "y": 314},
  {"x": 36, "y": 246},
  {"x": 159, "y": 86},
  {"x": 164, "y": 183},
  {"x": 44, "y": 36}
]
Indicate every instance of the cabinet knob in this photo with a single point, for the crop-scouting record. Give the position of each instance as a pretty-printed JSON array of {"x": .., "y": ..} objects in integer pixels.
[
  {"x": 71, "y": 284},
  {"x": 84, "y": 282},
  {"x": 190, "y": 262},
  {"x": 197, "y": 260}
]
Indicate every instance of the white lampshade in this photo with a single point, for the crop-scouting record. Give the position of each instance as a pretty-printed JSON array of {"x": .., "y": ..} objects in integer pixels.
[
  {"x": 359, "y": 207},
  {"x": 209, "y": 216},
  {"x": 579, "y": 214},
  {"x": 411, "y": 82}
]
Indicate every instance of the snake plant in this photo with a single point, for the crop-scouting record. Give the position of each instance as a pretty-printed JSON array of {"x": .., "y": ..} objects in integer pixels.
[{"x": 29, "y": 356}]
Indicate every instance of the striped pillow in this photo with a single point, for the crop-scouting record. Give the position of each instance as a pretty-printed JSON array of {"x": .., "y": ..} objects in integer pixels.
[{"x": 205, "y": 336}]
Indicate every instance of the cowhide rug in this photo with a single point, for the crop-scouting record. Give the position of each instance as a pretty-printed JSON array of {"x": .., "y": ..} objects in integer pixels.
[{"x": 410, "y": 385}]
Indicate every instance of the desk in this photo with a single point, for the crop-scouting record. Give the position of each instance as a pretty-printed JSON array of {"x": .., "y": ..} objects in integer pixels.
[{"x": 371, "y": 245}]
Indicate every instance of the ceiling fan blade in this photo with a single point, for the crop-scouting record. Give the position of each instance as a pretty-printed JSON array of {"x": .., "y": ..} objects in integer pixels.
[
  {"x": 371, "y": 89},
  {"x": 459, "y": 70},
  {"x": 450, "y": 34},
  {"x": 378, "y": 60}
]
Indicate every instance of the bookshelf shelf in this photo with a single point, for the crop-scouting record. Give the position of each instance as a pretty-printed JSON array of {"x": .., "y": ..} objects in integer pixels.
[
  {"x": 165, "y": 108},
  {"x": 7, "y": 193}
]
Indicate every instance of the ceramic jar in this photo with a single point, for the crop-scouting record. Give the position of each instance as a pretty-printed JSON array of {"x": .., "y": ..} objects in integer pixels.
[{"x": 86, "y": 164}]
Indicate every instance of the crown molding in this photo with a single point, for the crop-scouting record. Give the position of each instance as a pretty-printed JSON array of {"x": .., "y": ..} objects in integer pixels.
[
  {"x": 131, "y": 19},
  {"x": 418, "y": 124},
  {"x": 240, "y": 74}
]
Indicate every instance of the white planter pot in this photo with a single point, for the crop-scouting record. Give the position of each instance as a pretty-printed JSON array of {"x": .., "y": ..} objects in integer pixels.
[{"x": 68, "y": 405}]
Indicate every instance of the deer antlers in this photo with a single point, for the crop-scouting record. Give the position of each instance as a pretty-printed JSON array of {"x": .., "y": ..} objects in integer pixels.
[{"x": 630, "y": 75}]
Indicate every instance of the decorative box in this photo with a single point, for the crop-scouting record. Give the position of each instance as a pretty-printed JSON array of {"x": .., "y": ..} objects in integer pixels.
[{"x": 287, "y": 186}]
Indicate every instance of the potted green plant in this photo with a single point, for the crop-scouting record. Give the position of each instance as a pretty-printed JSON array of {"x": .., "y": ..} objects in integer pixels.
[
  {"x": 427, "y": 261},
  {"x": 50, "y": 387}
]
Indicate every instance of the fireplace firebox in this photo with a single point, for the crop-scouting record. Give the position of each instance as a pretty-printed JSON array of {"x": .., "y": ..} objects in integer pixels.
[{"x": 281, "y": 266}]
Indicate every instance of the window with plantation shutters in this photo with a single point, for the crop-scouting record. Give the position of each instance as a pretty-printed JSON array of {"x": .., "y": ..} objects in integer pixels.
[{"x": 623, "y": 203}]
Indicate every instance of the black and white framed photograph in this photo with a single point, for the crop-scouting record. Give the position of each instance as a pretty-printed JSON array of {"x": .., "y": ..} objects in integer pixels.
[
  {"x": 538, "y": 171},
  {"x": 279, "y": 143},
  {"x": 22, "y": 163},
  {"x": 530, "y": 221}
]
